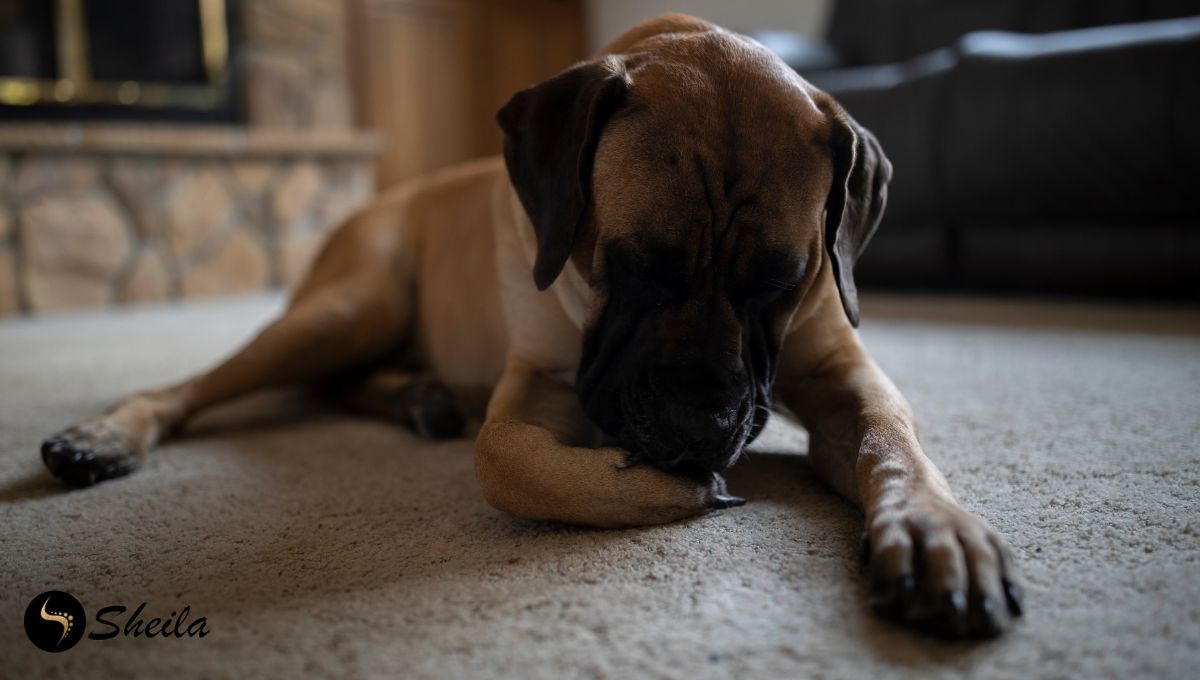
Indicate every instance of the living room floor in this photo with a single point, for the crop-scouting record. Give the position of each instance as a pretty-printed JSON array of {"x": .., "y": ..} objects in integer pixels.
[{"x": 321, "y": 544}]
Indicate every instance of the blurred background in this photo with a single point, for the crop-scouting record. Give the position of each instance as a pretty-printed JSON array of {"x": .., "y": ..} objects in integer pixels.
[{"x": 157, "y": 150}]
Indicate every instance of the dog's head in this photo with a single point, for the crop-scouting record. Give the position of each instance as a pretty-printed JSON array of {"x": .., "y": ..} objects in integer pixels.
[{"x": 698, "y": 184}]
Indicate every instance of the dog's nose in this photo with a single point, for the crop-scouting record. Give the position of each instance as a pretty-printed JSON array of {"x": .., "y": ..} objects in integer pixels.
[
  {"x": 709, "y": 436},
  {"x": 701, "y": 426},
  {"x": 680, "y": 434},
  {"x": 687, "y": 412}
]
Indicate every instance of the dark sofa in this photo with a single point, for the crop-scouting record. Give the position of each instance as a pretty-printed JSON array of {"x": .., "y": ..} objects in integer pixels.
[{"x": 1048, "y": 146}]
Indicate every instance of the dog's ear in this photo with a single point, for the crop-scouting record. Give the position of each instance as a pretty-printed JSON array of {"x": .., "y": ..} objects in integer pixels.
[
  {"x": 860, "y": 177},
  {"x": 550, "y": 135}
]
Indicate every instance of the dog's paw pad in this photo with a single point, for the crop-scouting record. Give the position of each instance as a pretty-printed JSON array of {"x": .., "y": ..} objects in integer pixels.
[{"x": 87, "y": 454}]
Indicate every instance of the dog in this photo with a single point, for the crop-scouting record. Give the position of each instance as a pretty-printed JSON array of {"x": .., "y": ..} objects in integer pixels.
[{"x": 691, "y": 211}]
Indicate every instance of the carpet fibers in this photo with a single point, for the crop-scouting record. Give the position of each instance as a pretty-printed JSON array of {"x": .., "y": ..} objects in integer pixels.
[{"x": 319, "y": 544}]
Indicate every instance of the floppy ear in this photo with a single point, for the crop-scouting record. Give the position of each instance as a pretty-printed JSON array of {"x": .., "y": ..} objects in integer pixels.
[
  {"x": 550, "y": 135},
  {"x": 860, "y": 177}
]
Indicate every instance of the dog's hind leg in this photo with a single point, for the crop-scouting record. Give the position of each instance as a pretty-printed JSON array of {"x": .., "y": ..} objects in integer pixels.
[
  {"x": 354, "y": 307},
  {"x": 416, "y": 400}
]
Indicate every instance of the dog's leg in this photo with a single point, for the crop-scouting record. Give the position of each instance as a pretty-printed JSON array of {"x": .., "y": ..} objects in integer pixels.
[
  {"x": 533, "y": 460},
  {"x": 310, "y": 341},
  {"x": 352, "y": 309},
  {"x": 931, "y": 562},
  {"x": 416, "y": 400}
]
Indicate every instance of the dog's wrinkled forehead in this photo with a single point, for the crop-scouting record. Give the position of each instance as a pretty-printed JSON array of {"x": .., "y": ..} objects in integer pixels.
[{"x": 715, "y": 134}]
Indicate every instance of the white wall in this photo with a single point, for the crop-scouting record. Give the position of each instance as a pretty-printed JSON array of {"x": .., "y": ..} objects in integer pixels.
[{"x": 606, "y": 19}]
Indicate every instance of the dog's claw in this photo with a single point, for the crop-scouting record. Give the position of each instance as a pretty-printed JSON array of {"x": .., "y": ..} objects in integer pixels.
[
  {"x": 722, "y": 501},
  {"x": 985, "y": 618},
  {"x": 906, "y": 590},
  {"x": 1012, "y": 594},
  {"x": 894, "y": 599},
  {"x": 951, "y": 619},
  {"x": 53, "y": 445}
]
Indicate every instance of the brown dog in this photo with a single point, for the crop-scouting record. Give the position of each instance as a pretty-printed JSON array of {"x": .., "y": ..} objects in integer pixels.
[{"x": 691, "y": 210}]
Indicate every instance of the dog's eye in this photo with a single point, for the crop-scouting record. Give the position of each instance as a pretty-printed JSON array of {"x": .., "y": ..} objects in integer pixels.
[
  {"x": 768, "y": 276},
  {"x": 767, "y": 290}
]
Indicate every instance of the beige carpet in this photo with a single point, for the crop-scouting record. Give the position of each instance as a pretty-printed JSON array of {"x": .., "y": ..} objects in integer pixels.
[{"x": 329, "y": 546}]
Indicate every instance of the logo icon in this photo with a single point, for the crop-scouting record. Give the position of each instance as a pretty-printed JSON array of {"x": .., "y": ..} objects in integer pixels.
[{"x": 54, "y": 621}]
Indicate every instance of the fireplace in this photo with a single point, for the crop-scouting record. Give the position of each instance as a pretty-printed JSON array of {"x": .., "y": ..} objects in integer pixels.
[
  {"x": 136, "y": 165},
  {"x": 164, "y": 60}
]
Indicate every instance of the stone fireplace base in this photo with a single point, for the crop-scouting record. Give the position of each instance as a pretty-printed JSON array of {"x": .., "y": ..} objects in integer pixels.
[{"x": 96, "y": 215}]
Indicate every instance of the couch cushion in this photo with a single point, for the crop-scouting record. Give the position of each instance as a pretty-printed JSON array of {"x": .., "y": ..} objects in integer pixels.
[{"x": 1091, "y": 124}]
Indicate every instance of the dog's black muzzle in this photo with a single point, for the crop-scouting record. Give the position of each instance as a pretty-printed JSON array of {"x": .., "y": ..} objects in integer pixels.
[{"x": 693, "y": 414}]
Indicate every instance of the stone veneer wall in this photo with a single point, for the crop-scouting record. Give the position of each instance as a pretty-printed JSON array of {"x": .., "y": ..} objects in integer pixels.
[
  {"x": 92, "y": 228},
  {"x": 94, "y": 215},
  {"x": 294, "y": 57}
]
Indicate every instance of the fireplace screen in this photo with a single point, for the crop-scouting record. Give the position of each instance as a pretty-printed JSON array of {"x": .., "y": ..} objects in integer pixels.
[{"x": 166, "y": 59}]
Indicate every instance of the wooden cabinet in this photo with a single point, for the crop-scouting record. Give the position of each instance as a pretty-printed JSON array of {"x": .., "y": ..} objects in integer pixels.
[{"x": 431, "y": 74}]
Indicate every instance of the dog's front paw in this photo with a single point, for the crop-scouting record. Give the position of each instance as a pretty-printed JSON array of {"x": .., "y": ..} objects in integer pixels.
[{"x": 936, "y": 566}]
